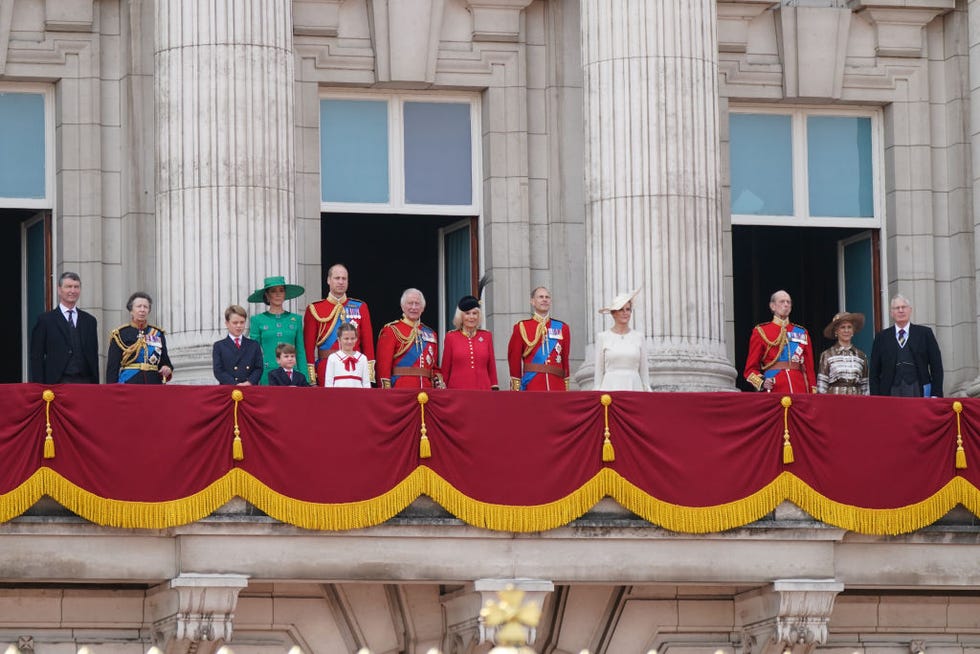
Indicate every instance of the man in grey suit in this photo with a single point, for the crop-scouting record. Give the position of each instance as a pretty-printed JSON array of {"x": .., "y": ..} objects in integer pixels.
[
  {"x": 65, "y": 341},
  {"x": 905, "y": 358}
]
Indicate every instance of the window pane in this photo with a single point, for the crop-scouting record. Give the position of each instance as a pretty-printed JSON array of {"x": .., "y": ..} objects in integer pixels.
[
  {"x": 22, "y": 145},
  {"x": 761, "y": 164},
  {"x": 839, "y": 166},
  {"x": 457, "y": 270},
  {"x": 354, "y": 151},
  {"x": 438, "y": 159}
]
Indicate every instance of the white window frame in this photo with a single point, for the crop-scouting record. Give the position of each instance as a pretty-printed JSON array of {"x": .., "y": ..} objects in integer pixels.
[
  {"x": 396, "y": 155},
  {"x": 46, "y": 90},
  {"x": 801, "y": 201}
]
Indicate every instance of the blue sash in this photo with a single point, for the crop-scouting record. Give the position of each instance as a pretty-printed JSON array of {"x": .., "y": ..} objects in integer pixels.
[
  {"x": 411, "y": 356},
  {"x": 152, "y": 355},
  {"x": 543, "y": 351},
  {"x": 796, "y": 339},
  {"x": 352, "y": 308}
]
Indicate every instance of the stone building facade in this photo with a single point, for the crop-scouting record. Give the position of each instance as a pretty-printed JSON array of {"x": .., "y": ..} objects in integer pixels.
[{"x": 707, "y": 152}]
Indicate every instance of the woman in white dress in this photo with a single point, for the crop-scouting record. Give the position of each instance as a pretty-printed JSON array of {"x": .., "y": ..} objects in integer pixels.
[{"x": 620, "y": 352}]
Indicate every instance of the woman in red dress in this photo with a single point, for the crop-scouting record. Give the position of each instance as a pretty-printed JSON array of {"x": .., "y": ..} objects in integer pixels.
[{"x": 468, "y": 361}]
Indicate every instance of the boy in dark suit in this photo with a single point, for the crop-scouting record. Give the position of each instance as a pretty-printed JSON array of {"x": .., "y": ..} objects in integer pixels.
[
  {"x": 285, "y": 375},
  {"x": 236, "y": 360}
]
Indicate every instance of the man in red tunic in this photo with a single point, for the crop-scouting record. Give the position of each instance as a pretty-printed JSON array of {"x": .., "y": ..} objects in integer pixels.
[
  {"x": 539, "y": 348},
  {"x": 780, "y": 355},
  {"x": 408, "y": 350},
  {"x": 324, "y": 317}
]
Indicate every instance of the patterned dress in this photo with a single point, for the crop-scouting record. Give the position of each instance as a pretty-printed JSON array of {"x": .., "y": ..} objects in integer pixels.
[{"x": 843, "y": 371}]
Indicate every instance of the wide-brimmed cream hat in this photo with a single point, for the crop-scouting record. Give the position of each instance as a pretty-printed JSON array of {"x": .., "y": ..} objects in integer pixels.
[
  {"x": 619, "y": 301},
  {"x": 856, "y": 319}
]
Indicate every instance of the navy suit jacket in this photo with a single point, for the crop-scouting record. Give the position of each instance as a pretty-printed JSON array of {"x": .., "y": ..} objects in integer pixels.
[
  {"x": 233, "y": 365},
  {"x": 51, "y": 344},
  {"x": 278, "y": 377},
  {"x": 925, "y": 352}
]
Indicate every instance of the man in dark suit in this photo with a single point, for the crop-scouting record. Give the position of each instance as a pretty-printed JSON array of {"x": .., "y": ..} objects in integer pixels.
[
  {"x": 237, "y": 360},
  {"x": 905, "y": 358},
  {"x": 65, "y": 340}
]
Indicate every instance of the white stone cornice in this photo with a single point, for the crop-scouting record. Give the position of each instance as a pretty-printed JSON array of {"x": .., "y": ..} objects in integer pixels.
[
  {"x": 194, "y": 612},
  {"x": 734, "y": 17},
  {"x": 790, "y": 615},
  {"x": 898, "y": 23},
  {"x": 497, "y": 20}
]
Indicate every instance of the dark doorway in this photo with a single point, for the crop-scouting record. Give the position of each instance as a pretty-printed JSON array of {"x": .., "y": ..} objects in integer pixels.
[
  {"x": 29, "y": 285},
  {"x": 805, "y": 262},
  {"x": 385, "y": 254}
]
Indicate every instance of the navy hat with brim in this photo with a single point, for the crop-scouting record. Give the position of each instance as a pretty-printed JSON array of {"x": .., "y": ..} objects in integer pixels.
[{"x": 292, "y": 290}]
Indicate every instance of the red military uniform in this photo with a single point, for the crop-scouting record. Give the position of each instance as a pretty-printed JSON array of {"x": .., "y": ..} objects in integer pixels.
[
  {"x": 781, "y": 351},
  {"x": 408, "y": 355},
  {"x": 320, "y": 325},
  {"x": 538, "y": 355}
]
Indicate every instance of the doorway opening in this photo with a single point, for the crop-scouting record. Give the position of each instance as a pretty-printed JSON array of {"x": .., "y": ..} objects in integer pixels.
[
  {"x": 825, "y": 270},
  {"x": 25, "y": 262},
  {"x": 385, "y": 254}
]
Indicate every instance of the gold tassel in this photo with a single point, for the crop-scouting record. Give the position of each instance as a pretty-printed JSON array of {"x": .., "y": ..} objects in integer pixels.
[
  {"x": 425, "y": 450},
  {"x": 237, "y": 453},
  {"x": 608, "y": 453},
  {"x": 960, "y": 452},
  {"x": 787, "y": 446},
  {"x": 48, "y": 397}
]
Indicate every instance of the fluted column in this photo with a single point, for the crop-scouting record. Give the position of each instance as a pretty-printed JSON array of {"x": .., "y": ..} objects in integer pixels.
[
  {"x": 653, "y": 215},
  {"x": 973, "y": 40},
  {"x": 224, "y": 189}
]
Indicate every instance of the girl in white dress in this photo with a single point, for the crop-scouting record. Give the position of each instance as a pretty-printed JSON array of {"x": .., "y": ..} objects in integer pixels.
[
  {"x": 620, "y": 352},
  {"x": 346, "y": 367}
]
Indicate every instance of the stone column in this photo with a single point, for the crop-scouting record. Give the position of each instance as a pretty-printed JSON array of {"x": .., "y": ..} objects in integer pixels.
[
  {"x": 224, "y": 188},
  {"x": 973, "y": 39},
  {"x": 653, "y": 213}
]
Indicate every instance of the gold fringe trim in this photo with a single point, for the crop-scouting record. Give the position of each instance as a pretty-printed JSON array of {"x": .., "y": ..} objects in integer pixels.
[
  {"x": 525, "y": 518},
  {"x": 883, "y": 522},
  {"x": 498, "y": 517}
]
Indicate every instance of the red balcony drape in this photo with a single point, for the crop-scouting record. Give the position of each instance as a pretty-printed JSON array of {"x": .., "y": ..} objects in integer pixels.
[{"x": 154, "y": 457}]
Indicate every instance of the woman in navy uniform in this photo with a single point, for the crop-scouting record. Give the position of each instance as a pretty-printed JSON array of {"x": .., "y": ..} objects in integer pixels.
[{"x": 138, "y": 351}]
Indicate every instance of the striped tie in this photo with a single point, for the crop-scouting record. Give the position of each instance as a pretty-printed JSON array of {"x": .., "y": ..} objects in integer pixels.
[{"x": 901, "y": 338}]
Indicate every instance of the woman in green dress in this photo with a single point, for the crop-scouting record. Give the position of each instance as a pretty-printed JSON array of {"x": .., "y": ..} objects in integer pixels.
[{"x": 277, "y": 325}]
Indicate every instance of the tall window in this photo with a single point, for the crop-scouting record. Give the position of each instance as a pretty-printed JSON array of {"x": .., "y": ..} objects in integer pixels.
[
  {"x": 805, "y": 166},
  {"x": 24, "y": 148},
  {"x": 399, "y": 154}
]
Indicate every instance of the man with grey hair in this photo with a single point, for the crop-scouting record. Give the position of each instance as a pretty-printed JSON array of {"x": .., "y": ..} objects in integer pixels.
[
  {"x": 65, "y": 340},
  {"x": 408, "y": 350},
  {"x": 905, "y": 358},
  {"x": 780, "y": 358}
]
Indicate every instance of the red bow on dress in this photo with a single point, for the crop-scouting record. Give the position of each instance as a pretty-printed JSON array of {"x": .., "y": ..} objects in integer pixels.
[{"x": 350, "y": 364}]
